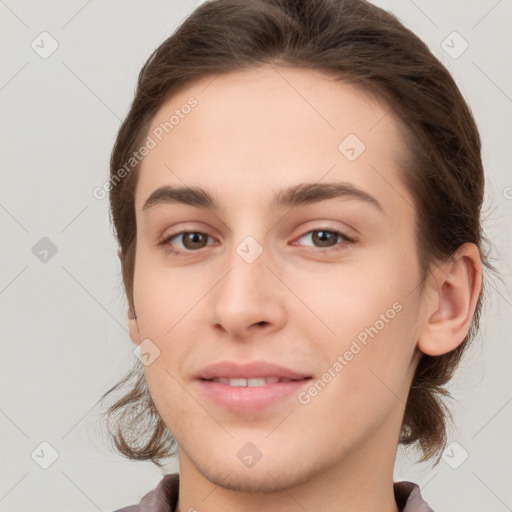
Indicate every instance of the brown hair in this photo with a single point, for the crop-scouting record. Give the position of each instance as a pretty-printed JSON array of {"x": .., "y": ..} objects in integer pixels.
[{"x": 357, "y": 42}]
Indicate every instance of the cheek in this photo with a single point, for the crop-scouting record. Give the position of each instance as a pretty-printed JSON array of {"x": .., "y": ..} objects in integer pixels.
[
  {"x": 366, "y": 376},
  {"x": 345, "y": 300},
  {"x": 159, "y": 299},
  {"x": 369, "y": 318}
]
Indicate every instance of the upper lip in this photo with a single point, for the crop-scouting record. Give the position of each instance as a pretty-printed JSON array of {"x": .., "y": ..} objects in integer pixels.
[{"x": 256, "y": 369}]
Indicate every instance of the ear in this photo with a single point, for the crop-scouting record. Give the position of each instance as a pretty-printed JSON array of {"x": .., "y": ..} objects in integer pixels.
[
  {"x": 451, "y": 297},
  {"x": 133, "y": 328}
]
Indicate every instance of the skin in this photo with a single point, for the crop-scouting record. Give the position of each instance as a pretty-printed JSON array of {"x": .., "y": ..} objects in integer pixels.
[{"x": 253, "y": 133}]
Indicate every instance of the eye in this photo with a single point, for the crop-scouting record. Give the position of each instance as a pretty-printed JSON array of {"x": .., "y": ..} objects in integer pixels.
[
  {"x": 326, "y": 238},
  {"x": 191, "y": 240}
]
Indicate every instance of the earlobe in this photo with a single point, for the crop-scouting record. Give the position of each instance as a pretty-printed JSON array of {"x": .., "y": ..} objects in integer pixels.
[{"x": 453, "y": 295}]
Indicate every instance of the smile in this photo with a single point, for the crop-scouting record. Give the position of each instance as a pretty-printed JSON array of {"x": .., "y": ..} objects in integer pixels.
[{"x": 253, "y": 382}]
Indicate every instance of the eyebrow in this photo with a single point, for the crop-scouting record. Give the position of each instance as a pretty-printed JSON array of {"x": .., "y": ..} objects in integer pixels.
[{"x": 296, "y": 195}]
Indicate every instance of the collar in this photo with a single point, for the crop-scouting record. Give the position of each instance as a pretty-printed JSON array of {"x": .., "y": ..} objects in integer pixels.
[{"x": 164, "y": 497}]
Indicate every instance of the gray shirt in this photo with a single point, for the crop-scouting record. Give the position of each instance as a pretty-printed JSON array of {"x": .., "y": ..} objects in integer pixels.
[{"x": 164, "y": 497}]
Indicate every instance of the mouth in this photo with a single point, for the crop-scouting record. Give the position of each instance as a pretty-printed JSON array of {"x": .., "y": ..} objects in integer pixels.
[
  {"x": 250, "y": 383},
  {"x": 255, "y": 371},
  {"x": 249, "y": 387}
]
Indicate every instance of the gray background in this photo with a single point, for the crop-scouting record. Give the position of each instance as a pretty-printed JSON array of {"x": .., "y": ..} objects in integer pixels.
[{"x": 63, "y": 331}]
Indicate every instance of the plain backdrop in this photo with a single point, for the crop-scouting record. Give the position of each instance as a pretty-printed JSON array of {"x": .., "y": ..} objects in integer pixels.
[{"x": 64, "y": 337}]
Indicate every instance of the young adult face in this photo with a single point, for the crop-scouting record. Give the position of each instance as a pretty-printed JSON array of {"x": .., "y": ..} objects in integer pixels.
[{"x": 256, "y": 282}]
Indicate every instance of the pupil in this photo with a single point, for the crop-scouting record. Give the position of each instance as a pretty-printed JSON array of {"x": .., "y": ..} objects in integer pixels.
[
  {"x": 194, "y": 238},
  {"x": 324, "y": 237}
]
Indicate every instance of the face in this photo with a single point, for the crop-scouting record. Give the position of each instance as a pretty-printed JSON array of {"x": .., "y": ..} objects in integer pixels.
[{"x": 280, "y": 322}]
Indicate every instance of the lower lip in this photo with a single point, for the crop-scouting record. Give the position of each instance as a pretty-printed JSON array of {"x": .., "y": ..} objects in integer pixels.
[{"x": 249, "y": 399}]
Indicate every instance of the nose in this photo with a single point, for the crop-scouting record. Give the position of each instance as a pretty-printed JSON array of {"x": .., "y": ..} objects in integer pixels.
[{"x": 248, "y": 299}]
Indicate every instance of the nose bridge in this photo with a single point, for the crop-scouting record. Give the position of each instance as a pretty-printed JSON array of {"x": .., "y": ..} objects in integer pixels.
[
  {"x": 248, "y": 275},
  {"x": 246, "y": 294},
  {"x": 249, "y": 247}
]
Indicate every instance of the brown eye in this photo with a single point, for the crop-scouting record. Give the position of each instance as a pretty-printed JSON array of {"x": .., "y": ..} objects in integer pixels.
[
  {"x": 194, "y": 240},
  {"x": 323, "y": 238},
  {"x": 190, "y": 241}
]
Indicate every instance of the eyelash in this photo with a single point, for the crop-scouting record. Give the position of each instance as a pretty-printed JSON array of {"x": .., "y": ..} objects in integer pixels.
[{"x": 339, "y": 246}]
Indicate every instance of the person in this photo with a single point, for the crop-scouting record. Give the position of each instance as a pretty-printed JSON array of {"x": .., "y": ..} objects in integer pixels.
[{"x": 296, "y": 194}]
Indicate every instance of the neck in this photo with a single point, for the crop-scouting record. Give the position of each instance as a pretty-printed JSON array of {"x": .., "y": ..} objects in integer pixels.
[{"x": 362, "y": 481}]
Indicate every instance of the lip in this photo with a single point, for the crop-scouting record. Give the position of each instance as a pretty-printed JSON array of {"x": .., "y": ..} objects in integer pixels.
[
  {"x": 249, "y": 399},
  {"x": 255, "y": 369}
]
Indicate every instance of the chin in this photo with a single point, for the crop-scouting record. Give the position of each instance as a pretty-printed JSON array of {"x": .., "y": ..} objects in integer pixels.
[{"x": 263, "y": 479}]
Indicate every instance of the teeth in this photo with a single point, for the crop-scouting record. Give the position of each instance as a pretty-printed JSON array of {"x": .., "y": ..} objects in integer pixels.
[
  {"x": 238, "y": 382},
  {"x": 255, "y": 382}
]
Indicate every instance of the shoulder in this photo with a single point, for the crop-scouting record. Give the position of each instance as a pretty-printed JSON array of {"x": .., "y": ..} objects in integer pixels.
[
  {"x": 160, "y": 499},
  {"x": 408, "y": 497}
]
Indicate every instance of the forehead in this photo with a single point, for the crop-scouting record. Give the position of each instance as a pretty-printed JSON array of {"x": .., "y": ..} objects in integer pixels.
[{"x": 254, "y": 130}]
